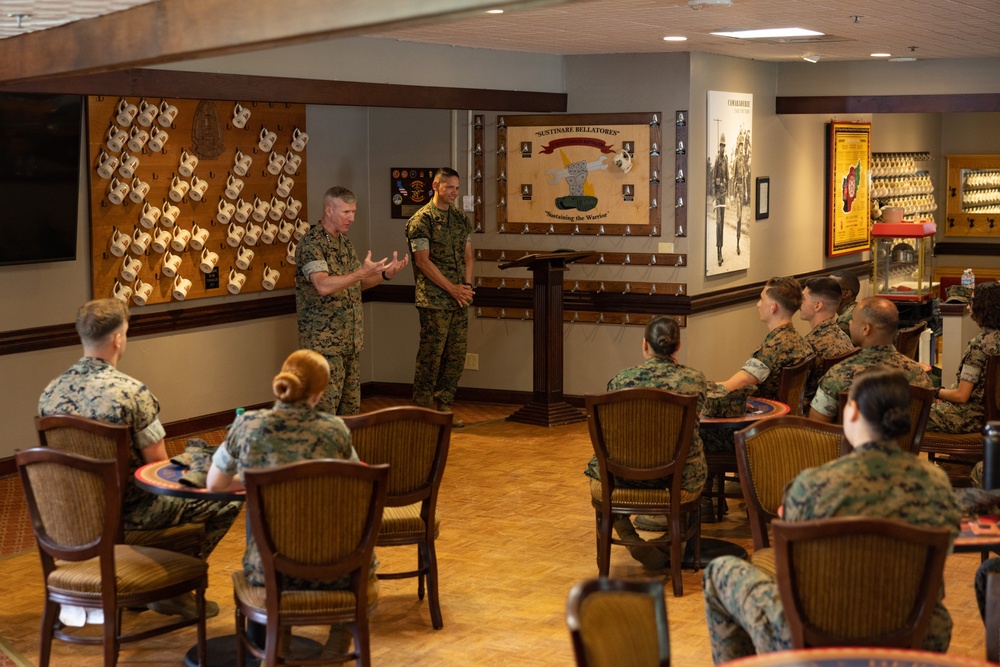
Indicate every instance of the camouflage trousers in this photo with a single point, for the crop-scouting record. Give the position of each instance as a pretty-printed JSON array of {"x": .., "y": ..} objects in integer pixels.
[
  {"x": 167, "y": 511},
  {"x": 444, "y": 338},
  {"x": 343, "y": 394},
  {"x": 743, "y": 610},
  {"x": 948, "y": 417},
  {"x": 987, "y": 568},
  {"x": 718, "y": 439}
]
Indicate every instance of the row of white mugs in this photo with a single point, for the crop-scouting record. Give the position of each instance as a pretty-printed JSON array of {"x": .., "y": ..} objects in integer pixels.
[
  {"x": 136, "y": 138},
  {"x": 127, "y": 164},
  {"x": 138, "y": 189},
  {"x": 241, "y": 211},
  {"x": 159, "y": 240},
  {"x": 171, "y": 265},
  {"x": 140, "y": 291}
]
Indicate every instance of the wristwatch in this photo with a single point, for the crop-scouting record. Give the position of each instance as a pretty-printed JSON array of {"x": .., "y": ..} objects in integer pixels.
[
  {"x": 385, "y": 277},
  {"x": 937, "y": 392}
]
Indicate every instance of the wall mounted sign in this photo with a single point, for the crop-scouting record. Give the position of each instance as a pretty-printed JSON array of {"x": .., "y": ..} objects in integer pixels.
[
  {"x": 848, "y": 226},
  {"x": 727, "y": 197}
]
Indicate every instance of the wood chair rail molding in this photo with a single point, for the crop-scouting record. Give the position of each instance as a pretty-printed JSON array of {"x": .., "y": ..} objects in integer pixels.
[{"x": 888, "y": 103}]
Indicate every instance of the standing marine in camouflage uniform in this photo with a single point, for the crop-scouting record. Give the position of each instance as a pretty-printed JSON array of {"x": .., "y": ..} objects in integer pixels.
[
  {"x": 440, "y": 240},
  {"x": 820, "y": 299},
  {"x": 328, "y": 283},
  {"x": 94, "y": 388},
  {"x": 877, "y": 479},
  {"x": 960, "y": 409},
  {"x": 850, "y": 288},
  {"x": 873, "y": 327},
  {"x": 660, "y": 343}
]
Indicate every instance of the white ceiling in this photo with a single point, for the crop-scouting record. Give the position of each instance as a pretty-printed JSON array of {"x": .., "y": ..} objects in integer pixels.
[{"x": 904, "y": 28}]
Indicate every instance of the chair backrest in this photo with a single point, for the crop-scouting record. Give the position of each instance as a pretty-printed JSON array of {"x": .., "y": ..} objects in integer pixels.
[
  {"x": 413, "y": 442},
  {"x": 792, "y": 383},
  {"x": 859, "y": 581},
  {"x": 920, "y": 409},
  {"x": 991, "y": 392},
  {"x": 908, "y": 340},
  {"x": 641, "y": 434},
  {"x": 87, "y": 437},
  {"x": 827, "y": 363},
  {"x": 618, "y": 622},
  {"x": 992, "y": 618},
  {"x": 315, "y": 520},
  {"x": 74, "y": 505},
  {"x": 770, "y": 454}
]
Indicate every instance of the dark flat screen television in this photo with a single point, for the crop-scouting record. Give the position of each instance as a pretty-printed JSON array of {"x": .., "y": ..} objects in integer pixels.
[{"x": 40, "y": 140}]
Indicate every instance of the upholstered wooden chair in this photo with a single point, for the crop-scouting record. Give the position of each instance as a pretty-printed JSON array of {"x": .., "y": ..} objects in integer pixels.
[
  {"x": 643, "y": 434},
  {"x": 414, "y": 443},
  {"x": 792, "y": 384},
  {"x": 75, "y": 512},
  {"x": 859, "y": 581},
  {"x": 992, "y": 619},
  {"x": 908, "y": 340},
  {"x": 920, "y": 409},
  {"x": 827, "y": 363},
  {"x": 969, "y": 445},
  {"x": 313, "y": 520},
  {"x": 770, "y": 454},
  {"x": 87, "y": 437},
  {"x": 615, "y": 622}
]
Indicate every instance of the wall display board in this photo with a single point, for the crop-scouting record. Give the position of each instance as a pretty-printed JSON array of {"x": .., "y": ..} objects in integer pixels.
[
  {"x": 410, "y": 190},
  {"x": 579, "y": 174},
  {"x": 973, "y": 201},
  {"x": 192, "y": 199},
  {"x": 848, "y": 228}
]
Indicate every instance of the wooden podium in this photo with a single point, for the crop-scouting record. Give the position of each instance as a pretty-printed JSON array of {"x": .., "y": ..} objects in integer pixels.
[{"x": 547, "y": 407}]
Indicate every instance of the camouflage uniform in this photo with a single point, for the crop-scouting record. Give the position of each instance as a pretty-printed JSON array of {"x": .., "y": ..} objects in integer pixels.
[
  {"x": 95, "y": 389},
  {"x": 826, "y": 340},
  {"x": 664, "y": 373},
  {"x": 781, "y": 347},
  {"x": 287, "y": 433},
  {"x": 742, "y": 604},
  {"x": 840, "y": 377},
  {"x": 948, "y": 417},
  {"x": 331, "y": 325},
  {"x": 844, "y": 319},
  {"x": 444, "y": 324}
]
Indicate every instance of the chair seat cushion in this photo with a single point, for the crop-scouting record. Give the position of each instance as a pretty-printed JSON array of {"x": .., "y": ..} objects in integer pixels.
[
  {"x": 301, "y": 602},
  {"x": 405, "y": 521},
  {"x": 632, "y": 496},
  {"x": 137, "y": 570},
  {"x": 971, "y": 441},
  {"x": 763, "y": 560}
]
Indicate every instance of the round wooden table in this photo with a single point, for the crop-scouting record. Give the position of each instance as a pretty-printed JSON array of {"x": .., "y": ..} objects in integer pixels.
[
  {"x": 163, "y": 479},
  {"x": 856, "y": 657},
  {"x": 757, "y": 409}
]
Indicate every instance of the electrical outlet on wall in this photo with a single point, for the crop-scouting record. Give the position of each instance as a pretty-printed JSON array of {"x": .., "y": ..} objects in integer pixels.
[{"x": 472, "y": 362}]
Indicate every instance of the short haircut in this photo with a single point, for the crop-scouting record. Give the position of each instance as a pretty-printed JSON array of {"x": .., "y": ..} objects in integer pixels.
[
  {"x": 826, "y": 290},
  {"x": 847, "y": 280},
  {"x": 343, "y": 194},
  {"x": 663, "y": 335},
  {"x": 785, "y": 291},
  {"x": 443, "y": 173},
  {"x": 986, "y": 305},
  {"x": 879, "y": 312},
  {"x": 883, "y": 397},
  {"x": 98, "y": 319}
]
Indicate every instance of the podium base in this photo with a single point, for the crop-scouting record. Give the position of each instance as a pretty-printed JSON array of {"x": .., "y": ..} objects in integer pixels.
[{"x": 548, "y": 414}]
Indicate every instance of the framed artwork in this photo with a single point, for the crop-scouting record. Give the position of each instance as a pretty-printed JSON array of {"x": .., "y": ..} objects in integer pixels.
[
  {"x": 728, "y": 186},
  {"x": 410, "y": 189},
  {"x": 763, "y": 198},
  {"x": 579, "y": 174},
  {"x": 848, "y": 228}
]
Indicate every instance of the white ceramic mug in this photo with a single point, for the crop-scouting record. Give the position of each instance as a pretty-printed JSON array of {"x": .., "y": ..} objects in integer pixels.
[
  {"x": 234, "y": 234},
  {"x": 240, "y": 116},
  {"x": 106, "y": 165},
  {"x": 224, "y": 211},
  {"x": 199, "y": 236},
  {"x": 234, "y": 186},
  {"x": 285, "y": 185},
  {"x": 131, "y": 266},
  {"x": 267, "y": 139},
  {"x": 243, "y": 210},
  {"x": 161, "y": 240},
  {"x": 270, "y": 278},
  {"x": 178, "y": 189},
  {"x": 241, "y": 164},
  {"x": 243, "y": 258},
  {"x": 120, "y": 242},
  {"x": 115, "y": 139},
  {"x": 209, "y": 260},
  {"x": 236, "y": 281},
  {"x": 141, "y": 292},
  {"x": 292, "y": 162},
  {"x": 150, "y": 215},
  {"x": 140, "y": 241},
  {"x": 126, "y": 112},
  {"x": 299, "y": 140},
  {"x": 117, "y": 191},
  {"x": 169, "y": 214},
  {"x": 285, "y": 231},
  {"x": 290, "y": 252},
  {"x": 260, "y": 209},
  {"x": 180, "y": 240},
  {"x": 129, "y": 164},
  {"x": 275, "y": 162},
  {"x": 139, "y": 191},
  {"x": 301, "y": 228},
  {"x": 294, "y": 206},
  {"x": 168, "y": 113},
  {"x": 147, "y": 112},
  {"x": 187, "y": 164},
  {"x": 268, "y": 231},
  {"x": 171, "y": 264},
  {"x": 277, "y": 209},
  {"x": 199, "y": 186},
  {"x": 181, "y": 288},
  {"x": 157, "y": 139},
  {"x": 253, "y": 233},
  {"x": 121, "y": 292},
  {"x": 137, "y": 139}
]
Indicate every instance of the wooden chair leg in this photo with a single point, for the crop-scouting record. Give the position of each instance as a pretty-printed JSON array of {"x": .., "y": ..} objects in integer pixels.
[
  {"x": 421, "y": 568},
  {"x": 49, "y": 615},
  {"x": 432, "y": 586},
  {"x": 676, "y": 551},
  {"x": 604, "y": 524}
]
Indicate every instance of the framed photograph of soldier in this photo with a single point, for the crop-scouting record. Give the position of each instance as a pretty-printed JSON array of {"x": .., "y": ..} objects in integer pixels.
[
  {"x": 579, "y": 174},
  {"x": 728, "y": 184},
  {"x": 848, "y": 194},
  {"x": 763, "y": 198}
]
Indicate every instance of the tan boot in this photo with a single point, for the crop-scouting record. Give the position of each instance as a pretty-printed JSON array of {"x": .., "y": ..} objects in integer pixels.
[
  {"x": 650, "y": 557},
  {"x": 338, "y": 643}
]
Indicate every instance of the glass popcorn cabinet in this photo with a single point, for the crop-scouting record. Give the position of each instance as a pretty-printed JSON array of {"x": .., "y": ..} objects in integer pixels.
[{"x": 902, "y": 261}]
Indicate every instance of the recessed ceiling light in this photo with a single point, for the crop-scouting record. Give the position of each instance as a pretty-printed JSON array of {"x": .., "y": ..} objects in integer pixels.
[
  {"x": 674, "y": 38},
  {"x": 494, "y": 11},
  {"x": 906, "y": 59},
  {"x": 769, "y": 32},
  {"x": 881, "y": 55}
]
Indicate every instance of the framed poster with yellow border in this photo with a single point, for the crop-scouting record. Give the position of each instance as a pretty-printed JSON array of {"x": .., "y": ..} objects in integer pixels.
[{"x": 848, "y": 196}]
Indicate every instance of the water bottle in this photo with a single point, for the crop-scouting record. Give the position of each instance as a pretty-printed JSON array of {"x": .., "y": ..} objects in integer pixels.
[
  {"x": 991, "y": 456},
  {"x": 969, "y": 279}
]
